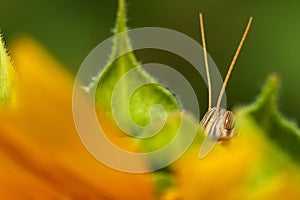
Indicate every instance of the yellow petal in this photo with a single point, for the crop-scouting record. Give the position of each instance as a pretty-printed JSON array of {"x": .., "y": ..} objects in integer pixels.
[
  {"x": 44, "y": 124},
  {"x": 228, "y": 172}
]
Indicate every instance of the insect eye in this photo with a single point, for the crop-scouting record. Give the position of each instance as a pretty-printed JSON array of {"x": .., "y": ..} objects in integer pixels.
[{"x": 229, "y": 120}]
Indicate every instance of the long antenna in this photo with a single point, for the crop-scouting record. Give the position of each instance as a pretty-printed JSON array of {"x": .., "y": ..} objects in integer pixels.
[
  {"x": 233, "y": 62},
  {"x": 205, "y": 60}
]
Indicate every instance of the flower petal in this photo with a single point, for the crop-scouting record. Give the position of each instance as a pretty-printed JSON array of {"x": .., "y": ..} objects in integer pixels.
[{"x": 44, "y": 124}]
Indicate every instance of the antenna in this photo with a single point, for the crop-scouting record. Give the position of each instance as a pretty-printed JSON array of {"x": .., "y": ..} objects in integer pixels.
[
  {"x": 205, "y": 60},
  {"x": 233, "y": 62}
]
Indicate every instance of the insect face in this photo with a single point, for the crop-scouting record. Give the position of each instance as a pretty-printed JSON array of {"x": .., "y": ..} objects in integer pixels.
[{"x": 218, "y": 123}]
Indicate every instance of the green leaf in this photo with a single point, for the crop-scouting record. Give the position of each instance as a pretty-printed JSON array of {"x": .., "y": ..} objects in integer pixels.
[
  {"x": 7, "y": 79},
  {"x": 279, "y": 130},
  {"x": 140, "y": 102},
  {"x": 143, "y": 98},
  {"x": 163, "y": 181}
]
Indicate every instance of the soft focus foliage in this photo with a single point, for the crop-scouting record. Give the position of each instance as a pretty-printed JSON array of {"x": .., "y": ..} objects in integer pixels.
[
  {"x": 8, "y": 79},
  {"x": 266, "y": 114},
  {"x": 69, "y": 29}
]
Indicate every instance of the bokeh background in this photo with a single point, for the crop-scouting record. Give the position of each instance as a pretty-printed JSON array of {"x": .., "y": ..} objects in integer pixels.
[{"x": 69, "y": 29}]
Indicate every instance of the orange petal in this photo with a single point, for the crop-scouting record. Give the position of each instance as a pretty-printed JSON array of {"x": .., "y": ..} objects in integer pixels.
[{"x": 44, "y": 123}]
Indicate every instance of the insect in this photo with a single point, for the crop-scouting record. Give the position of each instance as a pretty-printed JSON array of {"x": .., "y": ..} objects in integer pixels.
[{"x": 219, "y": 122}]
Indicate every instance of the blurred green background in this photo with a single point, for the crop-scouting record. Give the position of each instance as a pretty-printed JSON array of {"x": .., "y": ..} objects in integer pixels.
[{"x": 69, "y": 29}]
